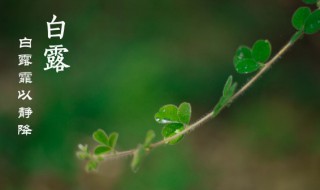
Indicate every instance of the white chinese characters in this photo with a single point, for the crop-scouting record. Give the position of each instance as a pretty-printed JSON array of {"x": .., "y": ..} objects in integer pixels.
[
  {"x": 24, "y": 59},
  {"x": 55, "y": 58},
  {"x": 24, "y": 130},
  {"x": 52, "y": 31},
  {"x": 23, "y": 96},
  {"x": 25, "y": 112},
  {"x": 25, "y": 43},
  {"x": 55, "y": 61},
  {"x": 24, "y": 78},
  {"x": 55, "y": 52}
]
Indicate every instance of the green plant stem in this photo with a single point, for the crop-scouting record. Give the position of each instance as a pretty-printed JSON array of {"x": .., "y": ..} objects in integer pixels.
[{"x": 209, "y": 116}]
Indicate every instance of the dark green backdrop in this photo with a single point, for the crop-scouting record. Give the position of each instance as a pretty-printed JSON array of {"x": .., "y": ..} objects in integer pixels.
[{"x": 127, "y": 59}]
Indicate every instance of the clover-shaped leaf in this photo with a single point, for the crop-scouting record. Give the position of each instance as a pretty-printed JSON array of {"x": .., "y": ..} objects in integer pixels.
[
  {"x": 243, "y": 52},
  {"x": 113, "y": 137},
  {"x": 312, "y": 23},
  {"x": 167, "y": 114},
  {"x": 107, "y": 144},
  {"x": 247, "y": 66},
  {"x": 261, "y": 51},
  {"x": 248, "y": 60},
  {"x": 172, "y": 129},
  {"x": 102, "y": 149},
  {"x": 299, "y": 17},
  {"x": 175, "y": 120},
  {"x": 184, "y": 113},
  {"x": 101, "y": 137}
]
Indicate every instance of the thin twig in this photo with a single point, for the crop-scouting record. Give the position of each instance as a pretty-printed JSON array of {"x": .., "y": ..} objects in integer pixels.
[{"x": 209, "y": 116}]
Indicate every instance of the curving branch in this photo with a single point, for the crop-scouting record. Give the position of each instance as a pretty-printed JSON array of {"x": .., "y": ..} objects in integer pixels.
[
  {"x": 176, "y": 119},
  {"x": 209, "y": 116}
]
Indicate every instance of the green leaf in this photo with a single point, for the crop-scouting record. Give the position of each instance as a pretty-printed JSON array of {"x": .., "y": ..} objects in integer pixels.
[
  {"x": 113, "y": 138},
  {"x": 243, "y": 52},
  {"x": 102, "y": 150},
  {"x": 231, "y": 91},
  {"x": 246, "y": 60},
  {"x": 312, "y": 24},
  {"x": 223, "y": 102},
  {"x": 82, "y": 155},
  {"x": 91, "y": 165},
  {"x": 261, "y": 51},
  {"x": 83, "y": 152},
  {"x": 167, "y": 114},
  {"x": 228, "y": 92},
  {"x": 101, "y": 137},
  {"x": 149, "y": 137},
  {"x": 296, "y": 36},
  {"x": 172, "y": 129},
  {"x": 247, "y": 66},
  {"x": 227, "y": 86},
  {"x": 299, "y": 17},
  {"x": 138, "y": 157},
  {"x": 310, "y": 1},
  {"x": 184, "y": 113}
]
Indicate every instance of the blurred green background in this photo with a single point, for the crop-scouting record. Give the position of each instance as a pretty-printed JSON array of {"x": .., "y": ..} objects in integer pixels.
[{"x": 128, "y": 58}]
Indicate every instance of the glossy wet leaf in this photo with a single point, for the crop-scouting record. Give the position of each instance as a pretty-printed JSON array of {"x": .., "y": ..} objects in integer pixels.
[
  {"x": 312, "y": 24},
  {"x": 167, "y": 114},
  {"x": 172, "y": 129},
  {"x": 184, "y": 113},
  {"x": 149, "y": 138},
  {"x": 299, "y": 17},
  {"x": 243, "y": 52},
  {"x": 138, "y": 157},
  {"x": 113, "y": 138},
  {"x": 102, "y": 150},
  {"x": 310, "y": 1},
  {"x": 101, "y": 137},
  {"x": 261, "y": 51},
  {"x": 247, "y": 66}
]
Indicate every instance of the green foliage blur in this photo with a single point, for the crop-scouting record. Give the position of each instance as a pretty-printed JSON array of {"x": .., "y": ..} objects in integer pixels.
[{"x": 128, "y": 58}]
